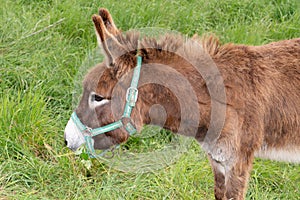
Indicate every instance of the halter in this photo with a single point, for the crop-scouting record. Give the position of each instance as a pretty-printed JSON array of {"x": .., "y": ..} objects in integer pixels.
[{"x": 131, "y": 98}]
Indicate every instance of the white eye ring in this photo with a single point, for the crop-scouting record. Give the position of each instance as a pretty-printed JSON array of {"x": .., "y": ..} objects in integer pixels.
[
  {"x": 96, "y": 97},
  {"x": 96, "y": 100}
]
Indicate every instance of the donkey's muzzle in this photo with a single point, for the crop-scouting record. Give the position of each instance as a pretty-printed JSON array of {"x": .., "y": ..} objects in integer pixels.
[{"x": 73, "y": 136}]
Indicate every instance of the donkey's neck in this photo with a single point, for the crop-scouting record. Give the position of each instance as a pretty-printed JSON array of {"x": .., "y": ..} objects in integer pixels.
[{"x": 177, "y": 98}]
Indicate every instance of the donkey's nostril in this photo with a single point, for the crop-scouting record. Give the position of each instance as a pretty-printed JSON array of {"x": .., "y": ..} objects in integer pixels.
[{"x": 66, "y": 142}]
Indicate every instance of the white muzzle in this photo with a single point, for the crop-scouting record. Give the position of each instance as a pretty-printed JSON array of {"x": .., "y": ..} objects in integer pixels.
[{"x": 73, "y": 137}]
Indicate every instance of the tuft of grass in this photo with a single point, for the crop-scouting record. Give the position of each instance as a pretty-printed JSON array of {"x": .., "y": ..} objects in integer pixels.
[{"x": 43, "y": 46}]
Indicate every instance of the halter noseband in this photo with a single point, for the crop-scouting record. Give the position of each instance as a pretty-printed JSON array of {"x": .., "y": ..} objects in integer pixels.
[{"x": 131, "y": 98}]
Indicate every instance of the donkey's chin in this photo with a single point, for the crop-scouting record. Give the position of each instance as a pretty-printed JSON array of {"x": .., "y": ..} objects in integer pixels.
[
  {"x": 104, "y": 143},
  {"x": 110, "y": 139}
]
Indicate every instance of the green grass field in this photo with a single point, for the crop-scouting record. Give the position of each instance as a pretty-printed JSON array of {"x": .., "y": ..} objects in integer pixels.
[{"x": 44, "y": 43}]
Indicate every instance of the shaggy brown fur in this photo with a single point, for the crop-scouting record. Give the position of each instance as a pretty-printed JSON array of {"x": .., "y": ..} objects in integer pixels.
[{"x": 262, "y": 85}]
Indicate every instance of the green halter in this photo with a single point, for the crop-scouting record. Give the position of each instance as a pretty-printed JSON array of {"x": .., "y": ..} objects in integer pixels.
[{"x": 131, "y": 98}]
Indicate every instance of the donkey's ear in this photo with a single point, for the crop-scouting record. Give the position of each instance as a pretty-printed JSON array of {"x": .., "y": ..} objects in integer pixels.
[
  {"x": 108, "y": 21},
  {"x": 104, "y": 37}
]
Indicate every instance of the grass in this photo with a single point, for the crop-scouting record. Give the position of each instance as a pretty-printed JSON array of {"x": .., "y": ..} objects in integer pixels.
[{"x": 44, "y": 43}]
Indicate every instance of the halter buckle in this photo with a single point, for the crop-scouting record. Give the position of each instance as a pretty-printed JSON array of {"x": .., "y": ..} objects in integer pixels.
[{"x": 132, "y": 95}]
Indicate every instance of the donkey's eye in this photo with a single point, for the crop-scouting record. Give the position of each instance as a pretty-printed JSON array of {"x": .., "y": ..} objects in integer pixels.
[
  {"x": 96, "y": 97},
  {"x": 96, "y": 100}
]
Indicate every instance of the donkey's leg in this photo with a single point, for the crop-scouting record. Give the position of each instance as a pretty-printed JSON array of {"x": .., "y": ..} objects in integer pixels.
[
  {"x": 219, "y": 175},
  {"x": 231, "y": 159},
  {"x": 224, "y": 153},
  {"x": 231, "y": 180},
  {"x": 236, "y": 178}
]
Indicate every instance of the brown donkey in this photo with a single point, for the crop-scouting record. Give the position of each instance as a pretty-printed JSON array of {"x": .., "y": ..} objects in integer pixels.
[{"x": 261, "y": 110}]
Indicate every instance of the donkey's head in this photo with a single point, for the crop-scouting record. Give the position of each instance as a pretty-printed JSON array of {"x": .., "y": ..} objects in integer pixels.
[
  {"x": 103, "y": 117},
  {"x": 95, "y": 108}
]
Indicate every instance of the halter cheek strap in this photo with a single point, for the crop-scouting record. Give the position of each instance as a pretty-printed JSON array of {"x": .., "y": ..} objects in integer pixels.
[{"x": 131, "y": 98}]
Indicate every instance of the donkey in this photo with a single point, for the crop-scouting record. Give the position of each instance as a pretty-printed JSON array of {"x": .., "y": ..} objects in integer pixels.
[{"x": 260, "y": 111}]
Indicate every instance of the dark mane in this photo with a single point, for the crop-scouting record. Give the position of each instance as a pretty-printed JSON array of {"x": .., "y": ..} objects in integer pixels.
[
  {"x": 210, "y": 44},
  {"x": 165, "y": 47}
]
